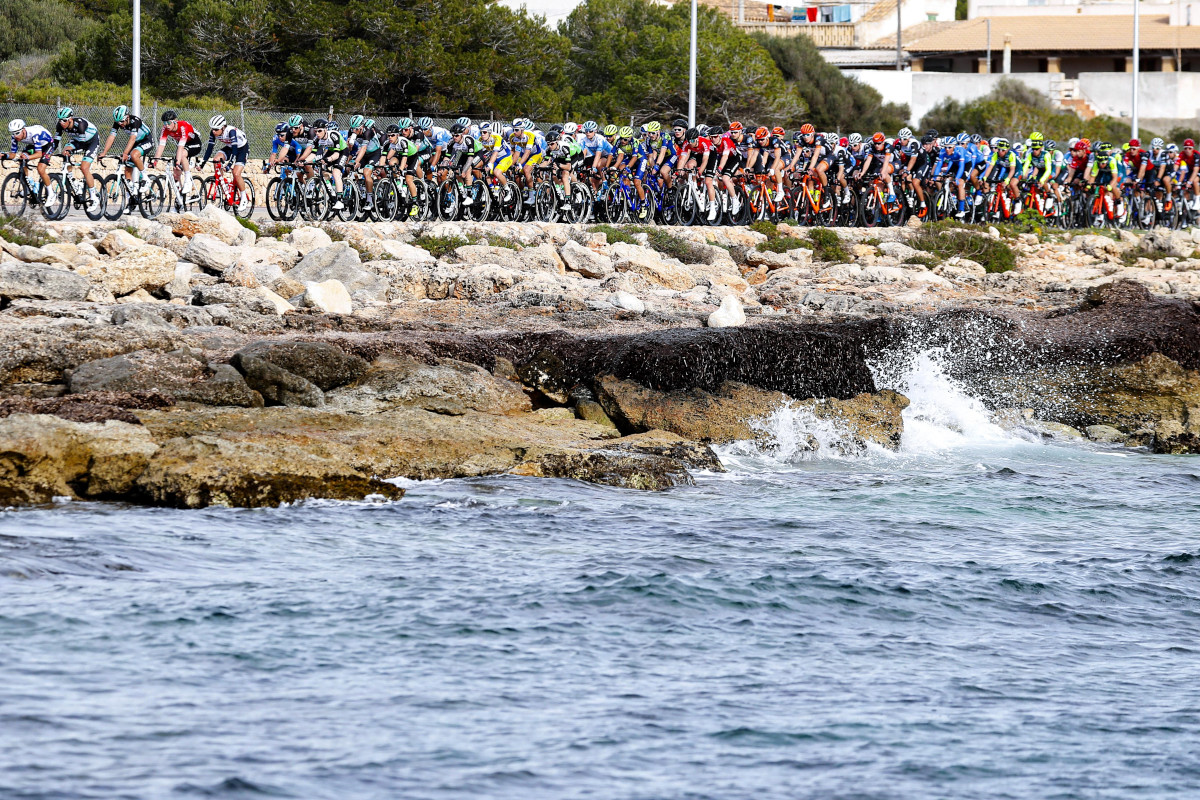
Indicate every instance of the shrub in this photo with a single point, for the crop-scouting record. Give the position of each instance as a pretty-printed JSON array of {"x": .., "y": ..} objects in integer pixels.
[
  {"x": 613, "y": 234},
  {"x": 276, "y": 230},
  {"x": 674, "y": 246},
  {"x": 781, "y": 244},
  {"x": 827, "y": 245},
  {"x": 249, "y": 225},
  {"x": 505, "y": 242},
  {"x": 766, "y": 228},
  {"x": 925, "y": 261},
  {"x": 22, "y": 230},
  {"x": 947, "y": 241},
  {"x": 439, "y": 246}
]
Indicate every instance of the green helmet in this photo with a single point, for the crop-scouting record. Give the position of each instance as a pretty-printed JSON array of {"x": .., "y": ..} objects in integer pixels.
[
  {"x": 369, "y": 123},
  {"x": 295, "y": 121},
  {"x": 610, "y": 130},
  {"x": 653, "y": 127},
  {"x": 626, "y": 132},
  {"x": 64, "y": 113},
  {"x": 1036, "y": 137},
  {"x": 120, "y": 113},
  {"x": 356, "y": 121},
  {"x": 404, "y": 122}
]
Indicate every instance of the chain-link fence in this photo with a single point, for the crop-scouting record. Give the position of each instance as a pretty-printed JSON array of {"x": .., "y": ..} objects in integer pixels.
[{"x": 258, "y": 125}]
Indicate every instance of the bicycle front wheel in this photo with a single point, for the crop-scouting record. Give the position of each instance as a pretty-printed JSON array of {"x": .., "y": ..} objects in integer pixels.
[
  {"x": 116, "y": 199},
  {"x": 153, "y": 198},
  {"x": 276, "y": 202},
  {"x": 245, "y": 201},
  {"x": 58, "y": 200},
  {"x": 12, "y": 195}
]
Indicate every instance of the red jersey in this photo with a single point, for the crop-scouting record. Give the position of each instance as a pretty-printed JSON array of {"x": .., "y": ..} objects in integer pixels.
[
  {"x": 727, "y": 145},
  {"x": 1133, "y": 159},
  {"x": 697, "y": 149},
  {"x": 1079, "y": 163},
  {"x": 183, "y": 132},
  {"x": 1188, "y": 159}
]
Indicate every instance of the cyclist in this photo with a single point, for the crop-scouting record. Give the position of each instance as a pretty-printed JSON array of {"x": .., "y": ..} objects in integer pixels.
[
  {"x": 533, "y": 149},
  {"x": 597, "y": 149},
  {"x": 696, "y": 155},
  {"x": 672, "y": 148},
  {"x": 765, "y": 154},
  {"x": 921, "y": 169},
  {"x": 465, "y": 154},
  {"x": 1189, "y": 169},
  {"x": 438, "y": 137},
  {"x": 80, "y": 136},
  {"x": 566, "y": 153},
  {"x": 331, "y": 147},
  {"x": 1160, "y": 159},
  {"x": 875, "y": 157},
  {"x": 1038, "y": 164},
  {"x": 38, "y": 144},
  {"x": 1105, "y": 170},
  {"x": 235, "y": 150},
  {"x": 1002, "y": 169},
  {"x": 1077, "y": 164},
  {"x": 365, "y": 147},
  {"x": 730, "y": 158},
  {"x": 809, "y": 148},
  {"x": 141, "y": 139},
  {"x": 187, "y": 147},
  {"x": 632, "y": 154},
  {"x": 298, "y": 144}
]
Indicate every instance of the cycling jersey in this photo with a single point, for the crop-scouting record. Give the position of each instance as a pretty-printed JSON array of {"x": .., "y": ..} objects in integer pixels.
[
  {"x": 36, "y": 138},
  {"x": 808, "y": 149},
  {"x": 1002, "y": 165},
  {"x": 1132, "y": 160},
  {"x": 877, "y": 155},
  {"x": 596, "y": 144},
  {"x": 1104, "y": 168},
  {"x": 369, "y": 140},
  {"x": 568, "y": 151},
  {"x": 140, "y": 131},
  {"x": 439, "y": 137},
  {"x": 1039, "y": 168},
  {"x": 80, "y": 130},
  {"x": 463, "y": 150},
  {"x": 184, "y": 132},
  {"x": 331, "y": 142}
]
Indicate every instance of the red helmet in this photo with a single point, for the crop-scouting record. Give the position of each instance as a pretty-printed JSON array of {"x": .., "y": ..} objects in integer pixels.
[
  {"x": 735, "y": 126},
  {"x": 878, "y": 137},
  {"x": 1188, "y": 143},
  {"x": 807, "y": 128},
  {"x": 1135, "y": 143},
  {"x": 1083, "y": 144},
  {"x": 844, "y": 142},
  {"x": 762, "y": 133},
  {"x": 777, "y": 131}
]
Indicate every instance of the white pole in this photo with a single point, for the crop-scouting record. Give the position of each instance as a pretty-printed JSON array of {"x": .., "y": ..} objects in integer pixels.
[
  {"x": 1136, "y": 60},
  {"x": 989, "y": 45},
  {"x": 137, "y": 58},
  {"x": 692, "y": 74},
  {"x": 898, "y": 44}
]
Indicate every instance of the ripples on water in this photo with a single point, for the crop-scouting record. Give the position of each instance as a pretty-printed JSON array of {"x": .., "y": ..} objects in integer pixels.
[{"x": 978, "y": 616}]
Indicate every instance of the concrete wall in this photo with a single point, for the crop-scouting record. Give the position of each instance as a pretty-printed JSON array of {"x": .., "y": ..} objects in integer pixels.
[
  {"x": 1172, "y": 95},
  {"x": 923, "y": 90}
]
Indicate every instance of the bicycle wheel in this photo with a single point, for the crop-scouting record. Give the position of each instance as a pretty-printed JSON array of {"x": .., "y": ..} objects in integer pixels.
[
  {"x": 868, "y": 209},
  {"x": 449, "y": 202},
  {"x": 545, "y": 202},
  {"x": 12, "y": 196},
  {"x": 276, "y": 201},
  {"x": 614, "y": 204},
  {"x": 826, "y": 214},
  {"x": 246, "y": 201},
  {"x": 116, "y": 198},
  {"x": 668, "y": 214},
  {"x": 685, "y": 205},
  {"x": 387, "y": 200},
  {"x": 316, "y": 201},
  {"x": 510, "y": 203},
  {"x": 58, "y": 200},
  {"x": 94, "y": 209},
  {"x": 581, "y": 203},
  {"x": 481, "y": 202},
  {"x": 744, "y": 212},
  {"x": 153, "y": 198}
]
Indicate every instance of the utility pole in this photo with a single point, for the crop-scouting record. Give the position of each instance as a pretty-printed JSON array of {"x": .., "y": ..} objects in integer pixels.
[
  {"x": 1136, "y": 64},
  {"x": 137, "y": 58},
  {"x": 989, "y": 44},
  {"x": 898, "y": 64},
  {"x": 692, "y": 73}
]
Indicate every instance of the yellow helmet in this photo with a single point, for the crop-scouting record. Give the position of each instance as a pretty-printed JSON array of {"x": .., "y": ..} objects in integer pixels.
[
  {"x": 610, "y": 130},
  {"x": 653, "y": 127},
  {"x": 625, "y": 133}
]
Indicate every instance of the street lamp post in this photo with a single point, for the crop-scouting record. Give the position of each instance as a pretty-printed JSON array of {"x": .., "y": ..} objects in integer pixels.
[
  {"x": 137, "y": 58},
  {"x": 1136, "y": 64},
  {"x": 692, "y": 73}
]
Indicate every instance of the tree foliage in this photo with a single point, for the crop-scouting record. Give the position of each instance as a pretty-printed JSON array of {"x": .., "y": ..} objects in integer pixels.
[
  {"x": 31, "y": 26},
  {"x": 1014, "y": 110},
  {"x": 629, "y": 58},
  {"x": 835, "y": 102}
]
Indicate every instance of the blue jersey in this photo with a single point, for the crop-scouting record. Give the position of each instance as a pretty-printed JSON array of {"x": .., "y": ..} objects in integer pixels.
[
  {"x": 36, "y": 138},
  {"x": 594, "y": 145},
  {"x": 278, "y": 144},
  {"x": 950, "y": 162}
]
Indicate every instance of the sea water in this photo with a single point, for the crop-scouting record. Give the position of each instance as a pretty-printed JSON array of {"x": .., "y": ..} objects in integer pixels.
[{"x": 979, "y": 615}]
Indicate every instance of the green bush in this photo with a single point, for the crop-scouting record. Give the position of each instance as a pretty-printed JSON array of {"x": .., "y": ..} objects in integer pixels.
[
  {"x": 947, "y": 241},
  {"x": 249, "y": 225},
  {"x": 781, "y": 244},
  {"x": 827, "y": 245},
  {"x": 505, "y": 242},
  {"x": 613, "y": 234},
  {"x": 765, "y": 227},
  {"x": 21, "y": 230},
  {"x": 925, "y": 261},
  {"x": 439, "y": 246},
  {"x": 275, "y": 230}
]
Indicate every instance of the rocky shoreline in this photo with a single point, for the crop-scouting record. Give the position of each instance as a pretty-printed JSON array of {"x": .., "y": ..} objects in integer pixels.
[{"x": 193, "y": 361}]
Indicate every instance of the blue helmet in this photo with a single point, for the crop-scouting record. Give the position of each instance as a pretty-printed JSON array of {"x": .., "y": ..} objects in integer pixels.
[
  {"x": 964, "y": 138},
  {"x": 281, "y": 129}
]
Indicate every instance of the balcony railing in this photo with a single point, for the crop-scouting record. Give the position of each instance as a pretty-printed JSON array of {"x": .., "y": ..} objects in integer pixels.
[{"x": 823, "y": 34}]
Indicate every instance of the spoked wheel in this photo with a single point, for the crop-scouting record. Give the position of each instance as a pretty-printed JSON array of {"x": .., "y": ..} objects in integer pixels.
[
  {"x": 349, "y": 198},
  {"x": 614, "y": 205},
  {"x": 668, "y": 213},
  {"x": 153, "y": 198},
  {"x": 545, "y": 202},
  {"x": 387, "y": 200},
  {"x": 743, "y": 213},
  {"x": 581, "y": 203},
  {"x": 58, "y": 201},
  {"x": 116, "y": 199},
  {"x": 685, "y": 205},
  {"x": 868, "y": 209},
  {"x": 276, "y": 201},
  {"x": 94, "y": 208},
  {"x": 511, "y": 202},
  {"x": 481, "y": 202},
  {"x": 12, "y": 196},
  {"x": 826, "y": 214},
  {"x": 449, "y": 202}
]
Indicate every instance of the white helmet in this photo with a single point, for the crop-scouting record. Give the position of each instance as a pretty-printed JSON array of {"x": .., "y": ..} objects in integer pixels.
[
  {"x": 217, "y": 121},
  {"x": 855, "y": 138},
  {"x": 16, "y": 126},
  {"x": 905, "y": 133},
  {"x": 1072, "y": 142},
  {"x": 570, "y": 128}
]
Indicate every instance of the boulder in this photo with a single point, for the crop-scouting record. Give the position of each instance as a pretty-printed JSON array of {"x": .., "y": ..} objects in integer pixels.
[
  {"x": 307, "y": 239},
  {"x": 648, "y": 263},
  {"x": 729, "y": 315},
  {"x": 117, "y": 241},
  {"x": 1172, "y": 242},
  {"x": 280, "y": 305},
  {"x": 180, "y": 285},
  {"x": 474, "y": 254},
  {"x": 88, "y": 407},
  {"x": 277, "y": 386},
  {"x": 543, "y": 258},
  {"x": 142, "y": 267},
  {"x": 220, "y": 223},
  {"x": 406, "y": 253},
  {"x": 866, "y": 418},
  {"x": 330, "y": 297},
  {"x": 210, "y": 253},
  {"x": 41, "y": 282},
  {"x": 339, "y": 262},
  {"x": 256, "y": 265},
  {"x": 181, "y": 374},
  {"x": 724, "y": 416},
  {"x": 325, "y": 365},
  {"x": 587, "y": 263},
  {"x": 202, "y": 470},
  {"x": 900, "y": 251},
  {"x": 43, "y": 457},
  {"x": 446, "y": 387},
  {"x": 1105, "y": 433},
  {"x": 628, "y": 302}
]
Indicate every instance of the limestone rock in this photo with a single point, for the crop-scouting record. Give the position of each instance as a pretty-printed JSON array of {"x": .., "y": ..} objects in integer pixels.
[
  {"x": 307, "y": 239},
  {"x": 474, "y": 254},
  {"x": 407, "y": 253},
  {"x": 341, "y": 263},
  {"x": 874, "y": 418},
  {"x": 325, "y": 365},
  {"x": 1104, "y": 433},
  {"x": 222, "y": 224},
  {"x": 41, "y": 282},
  {"x": 280, "y": 305},
  {"x": 587, "y": 263},
  {"x": 277, "y": 386},
  {"x": 1176, "y": 243},
  {"x": 180, "y": 285},
  {"x": 329, "y": 296},
  {"x": 210, "y": 253},
  {"x": 143, "y": 267},
  {"x": 543, "y": 258},
  {"x": 628, "y": 302},
  {"x": 447, "y": 386},
  {"x": 181, "y": 374},
  {"x": 43, "y": 457},
  {"x": 117, "y": 241},
  {"x": 204, "y": 471},
  {"x": 724, "y": 416},
  {"x": 729, "y": 315}
]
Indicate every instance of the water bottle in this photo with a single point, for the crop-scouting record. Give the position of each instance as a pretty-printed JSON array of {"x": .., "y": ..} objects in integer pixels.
[{"x": 77, "y": 185}]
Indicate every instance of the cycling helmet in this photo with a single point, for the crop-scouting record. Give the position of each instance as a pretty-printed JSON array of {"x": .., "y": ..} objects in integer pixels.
[
  {"x": 404, "y": 122},
  {"x": 281, "y": 129},
  {"x": 1188, "y": 143},
  {"x": 643, "y": 131},
  {"x": 610, "y": 130},
  {"x": 843, "y": 141},
  {"x": 1103, "y": 149},
  {"x": 807, "y": 128},
  {"x": 904, "y": 133},
  {"x": 1134, "y": 143},
  {"x": 393, "y": 129},
  {"x": 680, "y": 123},
  {"x": 64, "y": 113},
  {"x": 370, "y": 123},
  {"x": 1036, "y": 138},
  {"x": 1082, "y": 144},
  {"x": 625, "y": 133},
  {"x": 425, "y": 123},
  {"x": 320, "y": 124},
  {"x": 932, "y": 132},
  {"x": 878, "y": 137},
  {"x": 1051, "y": 144},
  {"x": 295, "y": 121},
  {"x": 797, "y": 136},
  {"x": 1072, "y": 142},
  {"x": 927, "y": 139},
  {"x": 214, "y": 122},
  {"x": 855, "y": 138},
  {"x": 692, "y": 134},
  {"x": 356, "y": 121},
  {"x": 590, "y": 126},
  {"x": 777, "y": 131},
  {"x": 552, "y": 136},
  {"x": 963, "y": 138},
  {"x": 1156, "y": 143},
  {"x": 1099, "y": 144},
  {"x": 947, "y": 141},
  {"x": 555, "y": 128},
  {"x": 735, "y": 127},
  {"x": 464, "y": 121},
  {"x": 16, "y": 126},
  {"x": 456, "y": 129},
  {"x": 761, "y": 133},
  {"x": 654, "y": 127},
  {"x": 170, "y": 116},
  {"x": 976, "y": 138},
  {"x": 570, "y": 128},
  {"x": 120, "y": 113},
  {"x": 1172, "y": 148},
  {"x": 1018, "y": 148}
]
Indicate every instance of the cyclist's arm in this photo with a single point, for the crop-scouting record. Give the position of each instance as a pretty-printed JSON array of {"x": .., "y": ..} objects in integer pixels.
[{"x": 108, "y": 143}]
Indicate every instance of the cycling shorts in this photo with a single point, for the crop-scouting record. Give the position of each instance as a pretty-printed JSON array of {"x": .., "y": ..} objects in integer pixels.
[
  {"x": 503, "y": 164},
  {"x": 370, "y": 159},
  {"x": 88, "y": 148},
  {"x": 639, "y": 172},
  {"x": 237, "y": 155},
  {"x": 534, "y": 160},
  {"x": 334, "y": 158},
  {"x": 732, "y": 164}
]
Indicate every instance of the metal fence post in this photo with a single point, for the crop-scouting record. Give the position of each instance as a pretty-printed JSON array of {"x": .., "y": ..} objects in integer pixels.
[
  {"x": 154, "y": 119},
  {"x": 242, "y": 104}
]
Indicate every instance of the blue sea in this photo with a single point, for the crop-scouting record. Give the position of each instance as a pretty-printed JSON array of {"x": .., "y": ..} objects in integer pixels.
[{"x": 983, "y": 614}]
